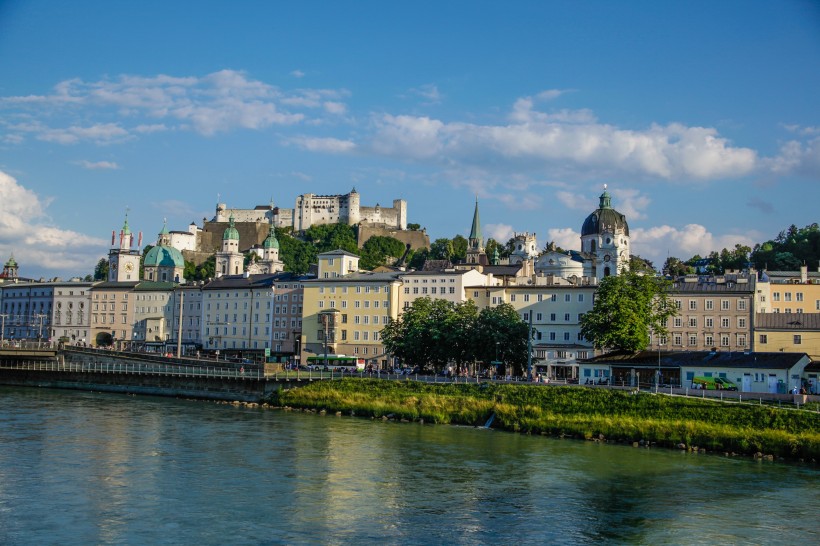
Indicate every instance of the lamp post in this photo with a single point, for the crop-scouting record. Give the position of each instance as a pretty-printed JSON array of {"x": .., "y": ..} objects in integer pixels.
[
  {"x": 3, "y": 329},
  {"x": 40, "y": 329}
]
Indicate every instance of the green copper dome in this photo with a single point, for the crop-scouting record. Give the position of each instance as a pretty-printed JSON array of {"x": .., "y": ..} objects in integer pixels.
[
  {"x": 231, "y": 233},
  {"x": 271, "y": 241},
  {"x": 164, "y": 256},
  {"x": 605, "y": 219}
]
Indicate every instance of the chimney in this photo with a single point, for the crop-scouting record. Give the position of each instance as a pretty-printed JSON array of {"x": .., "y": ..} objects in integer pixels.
[{"x": 804, "y": 273}]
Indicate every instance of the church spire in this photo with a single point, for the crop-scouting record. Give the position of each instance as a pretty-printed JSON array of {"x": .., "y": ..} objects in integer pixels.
[{"x": 476, "y": 240}]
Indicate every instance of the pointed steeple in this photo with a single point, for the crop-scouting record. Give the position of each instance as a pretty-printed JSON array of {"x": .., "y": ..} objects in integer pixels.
[{"x": 476, "y": 240}]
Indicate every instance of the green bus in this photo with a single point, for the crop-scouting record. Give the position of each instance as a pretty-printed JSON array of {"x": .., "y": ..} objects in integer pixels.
[
  {"x": 713, "y": 384},
  {"x": 336, "y": 362}
]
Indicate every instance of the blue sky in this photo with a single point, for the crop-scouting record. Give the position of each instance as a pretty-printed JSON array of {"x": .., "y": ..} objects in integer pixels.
[{"x": 702, "y": 117}]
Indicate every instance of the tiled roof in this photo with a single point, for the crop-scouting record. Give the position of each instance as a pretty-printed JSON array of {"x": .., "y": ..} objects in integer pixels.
[
  {"x": 788, "y": 321},
  {"x": 703, "y": 358}
]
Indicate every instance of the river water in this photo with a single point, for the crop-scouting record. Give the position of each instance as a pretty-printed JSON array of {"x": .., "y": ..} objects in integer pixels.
[{"x": 93, "y": 468}]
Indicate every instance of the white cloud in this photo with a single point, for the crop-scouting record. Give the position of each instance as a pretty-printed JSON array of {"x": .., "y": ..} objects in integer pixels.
[
  {"x": 217, "y": 102},
  {"x": 150, "y": 128},
  {"x": 566, "y": 238},
  {"x": 97, "y": 165},
  {"x": 576, "y": 201},
  {"x": 24, "y": 230},
  {"x": 328, "y": 144},
  {"x": 565, "y": 141},
  {"x": 500, "y": 232},
  {"x": 429, "y": 92},
  {"x": 298, "y": 74},
  {"x": 655, "y": 243}
]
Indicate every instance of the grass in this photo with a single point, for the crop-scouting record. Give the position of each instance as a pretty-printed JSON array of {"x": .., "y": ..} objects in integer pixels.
[{"x": 574, "y": 411}]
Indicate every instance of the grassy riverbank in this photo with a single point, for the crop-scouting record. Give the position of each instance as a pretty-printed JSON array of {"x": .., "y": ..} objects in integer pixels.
[{"x": 574, "y": 411}]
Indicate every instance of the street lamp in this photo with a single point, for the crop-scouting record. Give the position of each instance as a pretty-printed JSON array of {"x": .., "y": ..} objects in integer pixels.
[{"x": 3, "y": 329}]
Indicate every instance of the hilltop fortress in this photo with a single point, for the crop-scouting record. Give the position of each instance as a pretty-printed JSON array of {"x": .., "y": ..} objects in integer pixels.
[{"x": 309, "y": 210}]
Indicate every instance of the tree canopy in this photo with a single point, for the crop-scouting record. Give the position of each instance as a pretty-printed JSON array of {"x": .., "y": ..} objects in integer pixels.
[
  {"x": 435, "y": 333},
  {"x": 628, "y": 307}
]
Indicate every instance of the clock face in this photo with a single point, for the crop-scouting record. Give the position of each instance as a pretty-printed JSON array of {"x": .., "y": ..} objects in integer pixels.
[
  {"x": 129, "y": 267},
  {"x": 606, "y": 258},
  {"x": 114, "y": 266}
]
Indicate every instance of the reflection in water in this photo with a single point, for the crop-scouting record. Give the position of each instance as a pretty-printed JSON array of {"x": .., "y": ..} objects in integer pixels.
[{"x": 83, "y": 468}]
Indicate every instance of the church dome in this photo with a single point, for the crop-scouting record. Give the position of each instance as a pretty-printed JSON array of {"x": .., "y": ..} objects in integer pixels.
[
  {"x": 231, "y": 232},
  {"x": 164, "y": 256},
  {"x": 605, "y": 219},
  {"x": 271, "y": 241}
]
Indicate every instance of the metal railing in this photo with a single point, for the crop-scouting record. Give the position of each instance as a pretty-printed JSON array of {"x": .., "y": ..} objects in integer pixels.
[{"x": 134, "y": 368}]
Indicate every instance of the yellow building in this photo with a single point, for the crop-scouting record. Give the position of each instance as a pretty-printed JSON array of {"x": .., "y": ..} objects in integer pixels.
[
  {"x": 344, "y": 310},
  {"x": 789, "y": 292},
  {"x": 788, "y": 332}
]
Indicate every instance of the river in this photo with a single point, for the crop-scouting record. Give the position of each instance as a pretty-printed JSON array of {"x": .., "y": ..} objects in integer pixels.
[{"x": 94, "y": 468}]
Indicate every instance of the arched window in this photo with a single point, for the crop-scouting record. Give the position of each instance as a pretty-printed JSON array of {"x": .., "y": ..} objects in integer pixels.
[{"x": 607, "y": 272}]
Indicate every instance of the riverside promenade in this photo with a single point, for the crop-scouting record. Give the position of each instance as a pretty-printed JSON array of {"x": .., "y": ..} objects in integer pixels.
[{"x": 138, "y": 373}]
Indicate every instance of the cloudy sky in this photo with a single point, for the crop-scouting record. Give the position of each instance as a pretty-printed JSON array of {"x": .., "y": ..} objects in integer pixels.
[{"x": 702, "y": 117}]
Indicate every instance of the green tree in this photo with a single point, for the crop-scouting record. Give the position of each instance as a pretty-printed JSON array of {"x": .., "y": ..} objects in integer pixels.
[
  {"x": 101, "y": 270},
  {"x": 378, "y": 250},
  {"x": 500, "y": 332},
  {"x": 201, "y": 272},
  {"x": 441, "y": 249},
  {"x": 627, "y": 308},
  {"x": 636, "y": 263},
  {"x": 459, "y": 249},
  {"x": 417, "y": 258},
  {"x": 413, "y": 227},
  {"x": 674, "y": 267}
]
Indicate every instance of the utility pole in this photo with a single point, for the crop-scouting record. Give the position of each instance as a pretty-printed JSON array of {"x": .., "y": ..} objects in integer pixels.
[
  {"x": 179, "y": 327},
  {"x": 529, "y": 349}
]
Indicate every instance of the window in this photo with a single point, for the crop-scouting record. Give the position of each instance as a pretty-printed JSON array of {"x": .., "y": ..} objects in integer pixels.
[
  {"x": 678, "y": 322},
  {"x": 693, "y": 305},
  {"x": 724, "y": 305},
  {"x": 538, "y": 317},
  {"x": 787, "y": 296},
  {"x": 677, "y": 340},
  {"x": 798, "y": 339},
  {"x": 741, "y": 340},
  {"x": 724, "y": 341},
  {"x": 710, "y": 322},
  {"x": 580, "y": 297},
  {"x": 741, "y": 305},
  {"x": 566, "y": 317},
  {"x": 693, "y": 340},
  {"x": 554, "y": 297},
  {"x": 552, "y": 317},
  {"x": 526, "y": 297},
  {"x": 566, "y": 336},
  {"x": 775, "y": 296},
  {"x": 693, "y": 322},
  {"x": 764, "y": 339},
  {"x": 512, "y": 297},
  {"x": 741, "y": 322},
  {"x": 677, "y": 304},
  {"x": 709, "y": 340},
  {"x": 710, "y": 305},
  {"x": 552, "y": 336},
  {"x": 567, "y": 297},
  {"x": 799, "y": 296}
]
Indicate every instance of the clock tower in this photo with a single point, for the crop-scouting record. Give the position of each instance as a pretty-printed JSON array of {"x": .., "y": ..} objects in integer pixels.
[{"x": 123, "y": 261}]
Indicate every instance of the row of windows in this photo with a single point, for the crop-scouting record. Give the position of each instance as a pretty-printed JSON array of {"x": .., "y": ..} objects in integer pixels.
[
  {"x": 432, "y": 281},
  {"x": 433, "y": 290},
  {"x": 357, "y": 304},
  {"x": 540, "y": 297},
  {"x": 709, "y": 305},
  {"x": 797, "y": 339},
  {"x": 708, "y": 340},
  {"x": 709, "y": 322},
  {"x": 359, "y": 289},
  {"x": 357, "y": 335},
  {"x": 539, "y": 317},
  {"x": 787, "y": 296}
]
